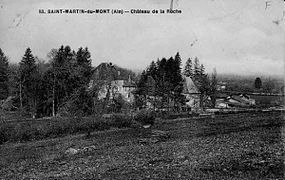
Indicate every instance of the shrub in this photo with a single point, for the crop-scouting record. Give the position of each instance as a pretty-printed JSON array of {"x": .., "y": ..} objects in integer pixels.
[
  {"x": 26, "y": 132},
  {"x": 121, "y": 120},
  {"x": 58, "y": 126},
  {"x": 97, "y": 123},
  {"x": 79, "y": 103},
  {"x": 6, "y": 132},
  {"x": 145, "y": 116}
]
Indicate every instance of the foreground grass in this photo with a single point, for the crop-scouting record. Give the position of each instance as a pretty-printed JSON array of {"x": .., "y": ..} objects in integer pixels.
[{"x": 234, "y": 147}]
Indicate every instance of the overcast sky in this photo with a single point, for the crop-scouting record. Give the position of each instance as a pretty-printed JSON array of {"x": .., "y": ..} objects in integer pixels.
[{"x": 243, "y": 36}]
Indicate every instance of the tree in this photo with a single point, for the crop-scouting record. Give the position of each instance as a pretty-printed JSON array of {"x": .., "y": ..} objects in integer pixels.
[
  {"x": 202, "y": 70},
  {"x": 268, "y": 85},
  {"x": 28, "y": 81},
  {"x": 213, "y": 87},
  {"x": 188, "y": 69},
  {"x": 177, "y": 81},
  {"x": 70, "y": 71},
  {"x": 197, "y": 68},
  {"x": 202, "y": 81},
  {"x": 67, "y": 79},
  {"x": 162, "y": 79},
  {"x": 204, "y": 88},
  {"x": 83, "y": 66},
  {"x": 4, "y": 88},
  {"x": 13, "y": 71},
  {"x": 60, "y": 71},
  {"x": 152, "y": 70},
  {"x": 257, "y": 83}
]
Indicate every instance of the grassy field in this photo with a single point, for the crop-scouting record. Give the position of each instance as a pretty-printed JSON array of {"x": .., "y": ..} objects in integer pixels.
[{"x": 238, "y": 146}]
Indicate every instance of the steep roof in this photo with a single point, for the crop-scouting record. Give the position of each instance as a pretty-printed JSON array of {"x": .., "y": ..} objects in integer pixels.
[
  {"x": 109, "y": 71},
  {"x": 189, "y": 87},
  {"x": 102, "y": 71}
]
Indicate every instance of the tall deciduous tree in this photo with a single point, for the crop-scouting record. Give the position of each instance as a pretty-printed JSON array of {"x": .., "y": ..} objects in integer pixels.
[
  {"x": 4, "y": 88},
  {"x": 69, "y": 76},
  {"x": 213, "y": 87},
  {"x": 202, "y": 81},
  {"x": 62, "y": 81}
]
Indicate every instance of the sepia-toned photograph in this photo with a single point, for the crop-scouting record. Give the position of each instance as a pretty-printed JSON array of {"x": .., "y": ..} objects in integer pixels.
[{"x": 142, "y": 89}]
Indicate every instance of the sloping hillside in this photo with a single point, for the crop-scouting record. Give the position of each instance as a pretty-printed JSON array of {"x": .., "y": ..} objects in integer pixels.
[{"x": 242, "y": 146}]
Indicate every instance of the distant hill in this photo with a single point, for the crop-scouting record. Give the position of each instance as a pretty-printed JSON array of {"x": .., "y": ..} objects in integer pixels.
[
  {"x": 105, "y": 71},
  {"x": 229, "y": 77}
]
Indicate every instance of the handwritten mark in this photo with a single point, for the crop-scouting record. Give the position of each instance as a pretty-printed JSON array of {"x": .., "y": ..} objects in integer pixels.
[
  {"x": 267, "y": 4},
  {"x": 178, "y": 0},
  {"x": 192, "y": 44},
  {"x": 171, "y": 4},
  {"x": 17, "y": 20},
  {"x": 276, "y": 22},
  {"x": 229, "y": 15}
]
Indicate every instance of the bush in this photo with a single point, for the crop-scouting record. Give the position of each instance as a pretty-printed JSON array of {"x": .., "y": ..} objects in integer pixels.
[
  {"x": 145, "y": 117},
  {"x": 80, "y": 103},
  {"x": 98, "y": 124},
  {"x": 56, "y": 127},
  {"x": 121, "y": 120},
  {"x": 23, "y": 132},
  {"x": 6, "y": 132}
]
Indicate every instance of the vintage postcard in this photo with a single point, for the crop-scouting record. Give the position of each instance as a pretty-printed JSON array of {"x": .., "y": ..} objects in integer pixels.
[{"x": 142, "y": 89}]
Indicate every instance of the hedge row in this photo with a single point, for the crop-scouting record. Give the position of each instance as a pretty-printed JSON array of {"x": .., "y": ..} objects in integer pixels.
[{"x": 56, "y": 127}]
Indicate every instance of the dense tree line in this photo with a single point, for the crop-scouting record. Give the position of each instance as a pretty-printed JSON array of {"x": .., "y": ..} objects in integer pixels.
[
  {"x": 163, "y": 80},
  {"x": 60, "y": 85},
  {"x": 44, "y": 89}
]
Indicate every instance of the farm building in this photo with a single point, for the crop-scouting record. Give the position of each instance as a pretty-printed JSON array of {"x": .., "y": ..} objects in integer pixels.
[
  {"x": 221, "y": 85},
  {"x": 228, "y": 101}
]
